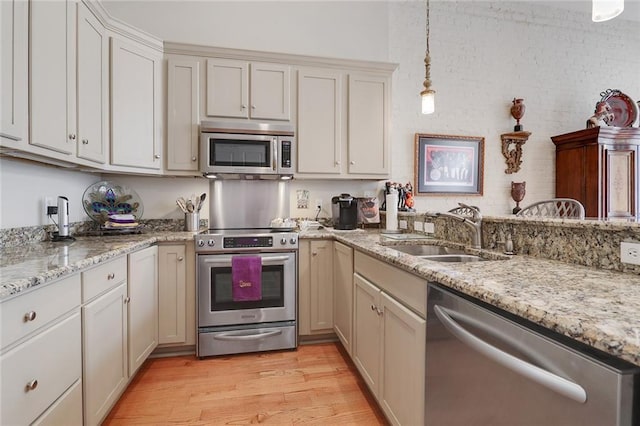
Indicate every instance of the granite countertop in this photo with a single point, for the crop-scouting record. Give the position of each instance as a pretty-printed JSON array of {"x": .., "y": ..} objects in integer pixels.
[
  {"x": 26, "y": 266},
  {"x": 594, "y": 306}
]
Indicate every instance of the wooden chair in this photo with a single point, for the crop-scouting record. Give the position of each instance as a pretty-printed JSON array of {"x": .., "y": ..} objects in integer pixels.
[{"x": 566, "y": 208}]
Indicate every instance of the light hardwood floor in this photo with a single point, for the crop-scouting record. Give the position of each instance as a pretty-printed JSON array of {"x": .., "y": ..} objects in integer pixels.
[{"x": 316, "y": 384}]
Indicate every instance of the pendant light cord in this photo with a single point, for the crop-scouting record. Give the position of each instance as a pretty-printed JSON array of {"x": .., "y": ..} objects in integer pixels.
[{"x": 427, "y": 57}]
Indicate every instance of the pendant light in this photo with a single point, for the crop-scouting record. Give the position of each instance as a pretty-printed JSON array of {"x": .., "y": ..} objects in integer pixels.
[
  {"x": 428, "y": 95},
  {"x": 603, "y": 10}
]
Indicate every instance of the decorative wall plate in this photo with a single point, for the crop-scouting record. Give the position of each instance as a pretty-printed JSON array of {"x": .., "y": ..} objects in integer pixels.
[
  {"x": 106, "y": 198},
  {"x": 625, "y": 110}
]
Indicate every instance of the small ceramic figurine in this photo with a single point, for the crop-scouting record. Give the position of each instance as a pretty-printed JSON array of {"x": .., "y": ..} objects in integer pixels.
[{"x": 601, "y": 116}]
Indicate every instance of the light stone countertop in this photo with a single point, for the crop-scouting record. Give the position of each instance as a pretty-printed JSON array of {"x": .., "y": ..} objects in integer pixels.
[
  {"x": 594, "y": 306},
  {"x": 598, "y": 307}
]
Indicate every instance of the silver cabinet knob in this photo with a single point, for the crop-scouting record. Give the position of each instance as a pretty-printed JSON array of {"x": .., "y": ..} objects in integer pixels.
[
  {"x": 337, "y": 163},
  {"x": 29, "y": 316},
  {"x": 243, "y": 106},
  {"x": 32, "y": 385},
  {"x": 352, "y": 162},
  {"x": 315, "y": 253},
  {"x": 253, "y": 107},
  {"x": 180, "y": 259},
  {"x": 127, "y": 300},
  {"x": 194, "y": 159},
  {"x": 373, "y": 307},
  {"x": 72, "y": 136},
  {"x": 157, "y": 156},
  {"x": 111, "y": 276},
  {"x": 85, "y": 141}
]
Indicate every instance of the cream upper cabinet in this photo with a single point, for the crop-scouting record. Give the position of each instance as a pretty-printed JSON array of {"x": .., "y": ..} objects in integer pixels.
[
  {"x": 343, "y": 293},
  {"x": 242, "y": 89},
  {"x": 320, "y": 121},
  {"x": 369, "y": 103},
  {"x": 92, "y": 86},
  {"x": 52, "y": 93},
  {"x": 343, "y": 124},
  {"x": 183, "y": 114},
  {"x": 176, "y": 294},
  {"x": 135, "y": 105},
  {"x": 142, "y": 306},
  {"x": 315, "y": 287},
  {"x": 14, "y": 72}
]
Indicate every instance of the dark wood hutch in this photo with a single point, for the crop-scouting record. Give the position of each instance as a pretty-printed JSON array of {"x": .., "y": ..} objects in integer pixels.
[{"x": 599, "y": 167}]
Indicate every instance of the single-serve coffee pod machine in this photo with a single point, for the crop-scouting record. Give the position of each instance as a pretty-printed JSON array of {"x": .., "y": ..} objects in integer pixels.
[{"x": 63, "y": 221}]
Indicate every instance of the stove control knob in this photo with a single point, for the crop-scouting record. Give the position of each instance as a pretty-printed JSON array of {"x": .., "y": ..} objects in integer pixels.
[
  {"x": 292, "y": 240},
  {"x": 200, "y": 243},
  {"x": 211, "y": 243},
  {"x": 283, "y": 241}
]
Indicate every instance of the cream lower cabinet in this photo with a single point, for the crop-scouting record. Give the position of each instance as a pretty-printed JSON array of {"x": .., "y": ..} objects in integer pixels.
[
  {"x": 104, "y": 338},
  {"x": 315, "y": 287},
  {"x": 389, "y": 339},
  {"x": 142, "y": 306},
  {"x": 343, "y": 293},
  {"x": 176, "y": 295},
  {"x": 40, "y": 356}
]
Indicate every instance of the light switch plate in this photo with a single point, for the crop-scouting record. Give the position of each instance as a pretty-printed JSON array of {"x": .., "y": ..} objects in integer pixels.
[
  {"x": 630, "y": 253},
  {"x": 402, "y": 224},
  {"x": 429, "y": 228},
  {"x": 417, "y": 226}
]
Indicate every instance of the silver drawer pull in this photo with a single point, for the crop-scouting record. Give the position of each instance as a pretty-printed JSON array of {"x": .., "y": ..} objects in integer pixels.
[
  {"x": 29, "y": 316},
  {"x": 111, "y": 276},
  {"x": 32, "y": 385}
]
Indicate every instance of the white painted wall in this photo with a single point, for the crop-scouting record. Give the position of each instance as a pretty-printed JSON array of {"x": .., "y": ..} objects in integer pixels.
[{"x": 483, "y": 55}]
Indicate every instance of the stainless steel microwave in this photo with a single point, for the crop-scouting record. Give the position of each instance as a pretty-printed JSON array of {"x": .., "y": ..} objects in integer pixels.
[{"x": 247, "y": 150}]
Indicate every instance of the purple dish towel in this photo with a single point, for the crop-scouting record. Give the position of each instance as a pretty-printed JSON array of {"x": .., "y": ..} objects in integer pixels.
[{"x": 246, "y": 278}]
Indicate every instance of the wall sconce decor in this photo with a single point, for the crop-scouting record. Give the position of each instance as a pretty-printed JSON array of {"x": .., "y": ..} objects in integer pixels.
[
  {"x": 428, "y": 95},
  {"x": 512, "y": 142}
]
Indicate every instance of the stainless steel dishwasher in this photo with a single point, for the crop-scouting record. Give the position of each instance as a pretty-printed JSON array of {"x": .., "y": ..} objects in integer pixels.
[{"x": 485, "y": 366}]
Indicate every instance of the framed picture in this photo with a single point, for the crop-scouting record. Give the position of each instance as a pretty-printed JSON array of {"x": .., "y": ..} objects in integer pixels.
[{"x": 446, "y": 164}]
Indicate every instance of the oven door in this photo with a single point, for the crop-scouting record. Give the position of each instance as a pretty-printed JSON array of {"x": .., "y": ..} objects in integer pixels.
[
  {"x": 216, "y": 306},
  {"x": 238, "y": 153}
]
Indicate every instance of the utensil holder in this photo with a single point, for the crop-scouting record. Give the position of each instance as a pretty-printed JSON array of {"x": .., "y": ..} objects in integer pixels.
[{"x": 192, "y": 221}]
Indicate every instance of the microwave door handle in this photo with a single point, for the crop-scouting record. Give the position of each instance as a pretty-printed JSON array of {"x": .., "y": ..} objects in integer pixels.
[
  {"x": 543, "y": 377},
  {"x": 275, "y": 154}
]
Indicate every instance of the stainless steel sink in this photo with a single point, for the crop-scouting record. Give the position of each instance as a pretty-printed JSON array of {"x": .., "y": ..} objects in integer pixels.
[
  {"x": 438, "y": 253},
  {"x": 427, "y": 250},
  {"x": 453, "y": 258}
]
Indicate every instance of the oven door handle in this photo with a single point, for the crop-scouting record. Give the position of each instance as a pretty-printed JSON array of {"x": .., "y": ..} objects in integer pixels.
[
  {"x": 244, "y": 337},
  {"x": 265, "y": 259}
]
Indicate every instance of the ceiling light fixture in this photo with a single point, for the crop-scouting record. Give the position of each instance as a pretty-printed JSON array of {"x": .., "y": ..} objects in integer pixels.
[
  {"x": 428, "y": 95},
  {"x": 603, "y": 10}
]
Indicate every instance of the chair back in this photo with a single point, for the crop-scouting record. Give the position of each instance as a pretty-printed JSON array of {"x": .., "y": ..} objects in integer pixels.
[{"x": 567, "y": 208}]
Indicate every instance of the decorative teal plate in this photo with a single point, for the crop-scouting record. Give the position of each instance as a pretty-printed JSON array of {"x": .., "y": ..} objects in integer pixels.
[{"x": 105, "y": 198}]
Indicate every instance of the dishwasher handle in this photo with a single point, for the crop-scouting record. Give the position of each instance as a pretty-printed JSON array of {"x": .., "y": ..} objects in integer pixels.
[{"x": 543, "y": 377}]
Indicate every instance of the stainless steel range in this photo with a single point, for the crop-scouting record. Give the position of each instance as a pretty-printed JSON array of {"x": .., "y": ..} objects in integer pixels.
[{"x": 228, "y": 324}]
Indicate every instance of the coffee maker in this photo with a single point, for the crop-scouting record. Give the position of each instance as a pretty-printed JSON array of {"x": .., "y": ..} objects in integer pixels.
[{"x": 344, "y": 208}]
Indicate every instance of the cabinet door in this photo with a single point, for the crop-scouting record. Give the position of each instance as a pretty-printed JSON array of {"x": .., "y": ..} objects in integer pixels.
[
  {"x": 227, "y": 88},
  {"x": 143, "y": 306},
  {"x": 183, "y": 114},
  {"x": 620, "y": 185},
  {"x": 14, "y": 51},
  {"x": 366, "y": 332},
  {"x": 270, "y": 91},
  {"x": 172, "y": 294},
  {"x": 343, "y": 293},
  {"x": 52, "y": 75},
  {"x": 92, "y": 56},
  {"x": 321, "y": 285},
  {"x": 319, "y": 121},
  {"x": 368, "y": 125},
  {"x": 135, "y": 103},
  {"x": 104, "y": 347},
  {"x": 403, "y": 363}
]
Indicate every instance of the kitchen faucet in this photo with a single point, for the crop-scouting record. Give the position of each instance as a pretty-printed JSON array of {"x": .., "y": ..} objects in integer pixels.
[{"x": 473, "y": 220}]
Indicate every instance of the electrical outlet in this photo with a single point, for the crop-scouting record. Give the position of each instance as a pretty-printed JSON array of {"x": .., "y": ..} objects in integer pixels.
[
  {"x": 47, "y": 204},
  {"x": 429, "y": 228},
  {"x": 319, "y": 204},
  {"x": 630, "y": 253},
  {"x": 402, "y": 224},
  {"x": 418, "y": 226}
]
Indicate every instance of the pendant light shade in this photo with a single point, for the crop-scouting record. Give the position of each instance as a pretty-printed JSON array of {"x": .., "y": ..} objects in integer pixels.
[
  {"x": 428, "y": 95},
  {"x": 603, "y": 10}
]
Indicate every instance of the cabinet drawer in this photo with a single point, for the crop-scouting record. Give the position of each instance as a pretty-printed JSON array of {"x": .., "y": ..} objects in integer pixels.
[
  {"x": 67, "y": 410},
  {"x": 403, "y": 286},
  {"x": 103, "y": 277},
  {"x": 50, "y": 363},
  {"x": 30, "y": 311}
]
